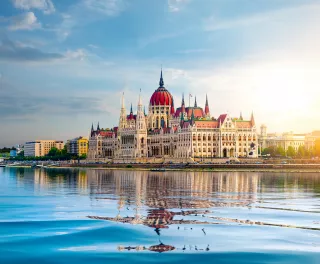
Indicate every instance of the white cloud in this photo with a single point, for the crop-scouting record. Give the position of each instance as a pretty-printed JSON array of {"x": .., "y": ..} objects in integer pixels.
[
  {"x": 215, "y": 23},
  {"x": 27, "y": 21},
  {"x": 107, "y": 7},
  {"x": 176, "y": 5},
  {"x": 88, "y": 11},
  {"x": 78, "y": 54},
  {"x": 44, "y": 5}
]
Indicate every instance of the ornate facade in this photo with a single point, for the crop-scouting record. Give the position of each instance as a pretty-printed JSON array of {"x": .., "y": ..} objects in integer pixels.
[{"x": 176, "y": 133}]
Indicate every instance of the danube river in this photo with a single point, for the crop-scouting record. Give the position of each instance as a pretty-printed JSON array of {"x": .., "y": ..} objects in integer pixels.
[{"x": 121, "y": 216}]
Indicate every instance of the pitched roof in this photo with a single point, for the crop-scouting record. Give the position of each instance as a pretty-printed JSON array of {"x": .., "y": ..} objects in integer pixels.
[
  {"x": 243, "y": 124},
  {"x": 197, "y": 111},
  {"x": 207, "y": 124},
  {"x": 222, "y": 118}
]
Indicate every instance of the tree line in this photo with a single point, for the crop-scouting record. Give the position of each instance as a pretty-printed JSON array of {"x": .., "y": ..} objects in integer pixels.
[
  {"x": 54, "y": 154},
  {"x": 302, "y": 152},
  {"x": 6, "y": 150}
]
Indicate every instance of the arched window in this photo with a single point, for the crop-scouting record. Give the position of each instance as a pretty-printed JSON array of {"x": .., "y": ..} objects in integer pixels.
[{"x": 162, "y": 122}]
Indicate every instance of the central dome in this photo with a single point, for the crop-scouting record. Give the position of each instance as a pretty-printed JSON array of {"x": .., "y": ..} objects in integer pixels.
[{"x": 161, "y": 96}]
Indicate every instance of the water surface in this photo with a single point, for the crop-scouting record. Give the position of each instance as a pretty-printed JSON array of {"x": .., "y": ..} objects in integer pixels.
[{"x": 119, "y": 216}]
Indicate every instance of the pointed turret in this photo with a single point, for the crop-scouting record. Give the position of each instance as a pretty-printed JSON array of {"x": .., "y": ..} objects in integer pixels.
[
  {"x": 131, "y": 111},
  {"x": 195, "y": 101},
  {"x": 140, "y": 101},
  {"x": 192, "y": 118},
  {"x": 122, "y": 101},
  {"x": 92, "y": 130},
  {"x": 98, "y": 127},
  {"x": 172, "y": 108},
  {"x": 144, "y": 111},
  {"x": 140, "y": 119},
  {"x": 252, "y": 120},
  {"x": 241, "y": 118},
  {"x": 206, "y": 109},
  {"x": 183, "y": 108},
  {"x": 161, "y": 83},
  {"x": 123, "y": 116}
]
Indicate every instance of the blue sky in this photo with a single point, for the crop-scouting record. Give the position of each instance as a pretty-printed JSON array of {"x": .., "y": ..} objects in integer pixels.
[{"x": 64, "y": 64}]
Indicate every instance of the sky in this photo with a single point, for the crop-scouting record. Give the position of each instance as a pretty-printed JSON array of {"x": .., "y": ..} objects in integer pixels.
[{"x": 64, "y": 64}]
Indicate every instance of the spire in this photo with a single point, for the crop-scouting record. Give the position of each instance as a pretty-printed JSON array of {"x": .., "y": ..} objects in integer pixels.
[
  {"x": 241, "y": 118},
  {"x": 195, "y": 101},
  {"x": 144, "y": 111},
  {"x": 98, "y": 127},
  {"x": 192, "y": 117},
  {"x": 252, "y": 120},
  {"x": 206, "y": 109},
  {"x": 122, "y": 101},
  {"x": 172, "y": 108},
  {"x": 161, "y": 83},
  {"x": 92, "y": 130},
  {"x": 140, "y": 101},
  {"x": 183, "y": 109},
  {"x": 131, "y": 112}
]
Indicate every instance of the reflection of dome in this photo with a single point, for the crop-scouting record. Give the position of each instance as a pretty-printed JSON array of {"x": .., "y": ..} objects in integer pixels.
[{"x": 161, "y": 96}]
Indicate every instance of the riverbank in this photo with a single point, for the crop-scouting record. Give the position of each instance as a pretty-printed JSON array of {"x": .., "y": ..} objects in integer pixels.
[{"x": 158, "y": 168}]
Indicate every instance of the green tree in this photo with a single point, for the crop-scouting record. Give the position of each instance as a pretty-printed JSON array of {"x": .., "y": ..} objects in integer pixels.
[
  {"x": 317, "y": 147},
  {"x": 21, "y": 153},
  {"x": 291, "y": 151},
  {"x": 64, "y": 151},
  {"x": 302, "y": 152},
  {"x": 280, "y": 151},
  {"x": 54, "y": 152},
  {"x": 270, "y": 150}
]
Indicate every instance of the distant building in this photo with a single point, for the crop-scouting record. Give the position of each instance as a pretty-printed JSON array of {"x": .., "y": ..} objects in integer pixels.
[
  {"x": 283, "y": 140},
  {"x": 40, "y": 148},
  {"x": 311, "y": 138},
  {"x": 78, "y": 146}
]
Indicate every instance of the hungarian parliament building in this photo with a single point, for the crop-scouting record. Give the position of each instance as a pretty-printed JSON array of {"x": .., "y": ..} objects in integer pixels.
[{"x": 175, "y": 134}]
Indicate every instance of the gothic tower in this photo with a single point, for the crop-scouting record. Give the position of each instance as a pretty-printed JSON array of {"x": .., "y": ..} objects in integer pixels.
[
  {"x": 141, "y": 132},
  {"x": 123, "y": 116}
]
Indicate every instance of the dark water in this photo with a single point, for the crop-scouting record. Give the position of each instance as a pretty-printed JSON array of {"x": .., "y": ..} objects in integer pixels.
[{"x": 97, "y": 216}]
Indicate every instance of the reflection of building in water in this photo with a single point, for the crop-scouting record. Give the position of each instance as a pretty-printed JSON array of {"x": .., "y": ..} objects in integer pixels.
[
  {"x": 156, "y": 248},
  {"x": 175, "y": 189},
  {"x": 60, "y": 179}
]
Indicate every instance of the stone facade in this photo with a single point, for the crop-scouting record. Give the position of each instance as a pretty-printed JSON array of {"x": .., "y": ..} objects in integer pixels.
[{"x": 182, "y": 134}]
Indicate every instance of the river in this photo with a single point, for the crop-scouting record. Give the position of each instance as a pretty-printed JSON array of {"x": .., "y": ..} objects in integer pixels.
[{"x": 123, "y": 216}]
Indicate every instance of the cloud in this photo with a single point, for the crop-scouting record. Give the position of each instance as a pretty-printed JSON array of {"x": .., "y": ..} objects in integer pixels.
[
  {"x": 27, "y": 21},
  {"x": 106, "y": 7},
  {"x": 18, "y": 105},
  {"x": 46, "y": 6},
  {"x": 176, "y": 5},
  {"x": 215, "y": 23},
  {"x": 11, "y": 51},
  {"x": 190, "y": 51},
  {"x": 87, "y": 11}
]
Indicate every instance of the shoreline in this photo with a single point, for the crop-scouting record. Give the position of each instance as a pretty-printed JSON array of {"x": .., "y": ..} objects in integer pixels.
[{"x": 276, "y": 169}]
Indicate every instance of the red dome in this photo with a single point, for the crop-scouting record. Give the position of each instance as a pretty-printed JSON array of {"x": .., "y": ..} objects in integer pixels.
[{"x": 161, "y": 96}]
